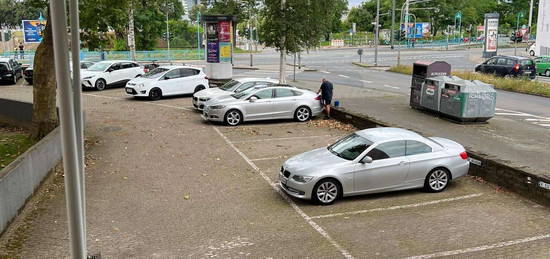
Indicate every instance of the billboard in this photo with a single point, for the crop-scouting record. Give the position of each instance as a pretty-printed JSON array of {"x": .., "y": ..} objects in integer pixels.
[
  {"x": 417, "y": 30},
  {"x": 491, "y": 35},
  {"x": 32, "y": 30},
  {"x": 219, "y": 35}
]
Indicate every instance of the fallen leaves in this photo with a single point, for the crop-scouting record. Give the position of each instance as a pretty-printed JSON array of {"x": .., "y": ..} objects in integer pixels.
[{"x": 331, "y": 124}]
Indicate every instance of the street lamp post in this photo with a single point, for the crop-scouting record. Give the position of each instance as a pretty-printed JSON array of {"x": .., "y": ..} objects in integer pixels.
[
  {"x": 168, "y": 35},
  {"x": 376, "y": 32},
  {"x": 198, "y": 35}
]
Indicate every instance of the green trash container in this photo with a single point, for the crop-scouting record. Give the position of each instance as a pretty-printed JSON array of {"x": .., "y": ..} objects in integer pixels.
[{"x": 468, "y": 101}]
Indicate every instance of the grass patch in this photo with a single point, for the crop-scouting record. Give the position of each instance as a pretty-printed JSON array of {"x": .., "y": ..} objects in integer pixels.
[
  {"x": 520, "y": 85},
  {"x": 402, "y": 69},
  {"x": 243, "y": 51},
  {"x": 13, "y": 142}
]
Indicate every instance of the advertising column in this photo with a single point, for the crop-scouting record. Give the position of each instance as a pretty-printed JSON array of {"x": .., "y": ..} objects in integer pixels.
[
  {"x": 219, "y": 45},
  {"x": 491, "y": 35}
]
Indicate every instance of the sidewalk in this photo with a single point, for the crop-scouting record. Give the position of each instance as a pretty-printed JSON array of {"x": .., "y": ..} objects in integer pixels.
[{"x": 516, "y": 144}]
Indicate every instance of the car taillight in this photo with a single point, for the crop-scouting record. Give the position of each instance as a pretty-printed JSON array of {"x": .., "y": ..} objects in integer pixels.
[
  {"x": 516, "y": 67},
  {"x": 318, "y": 98},
  {"x": 464, "y": 155}
]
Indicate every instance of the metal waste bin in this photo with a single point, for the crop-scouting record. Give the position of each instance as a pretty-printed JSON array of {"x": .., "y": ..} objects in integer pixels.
[
  {"x": 421, "y": 71},
  {"x": 468, "y": 100},
  {"x": 431, "y": 91}
]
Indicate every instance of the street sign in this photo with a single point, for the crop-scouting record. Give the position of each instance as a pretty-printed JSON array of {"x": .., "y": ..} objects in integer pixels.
[{"x": 360, "y": 51}]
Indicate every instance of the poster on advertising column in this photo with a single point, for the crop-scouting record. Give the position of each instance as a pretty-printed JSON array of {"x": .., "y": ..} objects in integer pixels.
[
  {"x": 491, "y": 35},
  {"x": 32, "y": 30},
  {"x": 212, "y": 46}
]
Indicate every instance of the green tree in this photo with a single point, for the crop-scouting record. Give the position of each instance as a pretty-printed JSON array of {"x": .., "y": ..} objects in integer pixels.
[{"x": 294, "y": 25}]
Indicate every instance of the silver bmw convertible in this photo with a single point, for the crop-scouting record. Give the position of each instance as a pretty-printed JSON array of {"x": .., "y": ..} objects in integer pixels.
[{"x": 372, "y": 161}]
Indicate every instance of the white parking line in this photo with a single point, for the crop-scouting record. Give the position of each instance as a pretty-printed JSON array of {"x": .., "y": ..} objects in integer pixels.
[
  {"x": 544, "y": 125},
  {"x": 399, "y": 206},
  {"x": 480, "y": 248},
  {"x": 326, "y": 72},
  {"x": 277, "y": 139},
  {"x": 513, "y": 114},
  {"x": 391, "y": 86},
  {"x": 265, "y": 158},
  {"x": 275, "y": 187},
  {"x": 344, "y": 76},
  {"x": 366, "y": 81}
]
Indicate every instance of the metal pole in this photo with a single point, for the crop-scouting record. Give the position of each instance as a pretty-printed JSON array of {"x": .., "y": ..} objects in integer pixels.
[
  {"x": 68, "y": 130},
  {"x": 77, "y": 95},
  {"x": 294, "y": 76},
  {"x": 198, "y": 35},
  {"x": 530, "y": 18},
  {"x": 517, "y": 30},
  {"x": 407, "y": 21},
  {"x": 392, "y": 22},
  {"x": 376, "y": 33},
  {"x": 168, "y": 36},
  {"x": 250, "y": 44}
]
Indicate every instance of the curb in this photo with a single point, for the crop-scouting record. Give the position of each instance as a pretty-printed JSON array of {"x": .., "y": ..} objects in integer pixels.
[
  {"x": 370, "y": 66},
  {"x": 490, "y": 169},
  {"x": 246, "y": 67}
]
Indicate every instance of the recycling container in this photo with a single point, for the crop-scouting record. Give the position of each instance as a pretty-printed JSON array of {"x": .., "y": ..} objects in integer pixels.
[
  {"x": 421, "y": 71},
  {"x": 468, "y": 100}
]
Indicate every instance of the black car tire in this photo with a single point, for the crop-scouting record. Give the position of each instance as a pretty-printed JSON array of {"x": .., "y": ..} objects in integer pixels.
[
  {"x": 547, "y": 73},
  {"x": 326, "y": 187},
  {"x": 155, "y": 94},
  {"x": 100, "y": 84},
  {"x": 438, "y": 174},
  {"x": 199, "y": 88},
  {"x": 14, "y": 79}
]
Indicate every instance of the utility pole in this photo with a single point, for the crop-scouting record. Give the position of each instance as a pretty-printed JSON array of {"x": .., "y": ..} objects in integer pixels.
[
  {"x": 168, "y": 35},
  {"x": 392, "y": 22},
  {"x": 250, "y": 44},
  {"x": 131, "y": 33},
  {"x": 407, "y": 21},
  {"x": 530, "y": 19},
  {"x": 520, "y": 15},
  {"x": 282, "y": 63},
  {"x": 376, "y": 33},
  {"x": 198, "y": 35}
]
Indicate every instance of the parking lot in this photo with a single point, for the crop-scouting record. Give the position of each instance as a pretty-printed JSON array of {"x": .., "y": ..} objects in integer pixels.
[{"x": 164, "y": 183}]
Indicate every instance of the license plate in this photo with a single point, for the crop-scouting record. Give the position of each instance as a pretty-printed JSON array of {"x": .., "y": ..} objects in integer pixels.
[{"x": 128, "y": 90}]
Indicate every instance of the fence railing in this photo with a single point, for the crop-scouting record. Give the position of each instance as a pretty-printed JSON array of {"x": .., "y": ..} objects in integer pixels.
[{"x": 159, "y": 55}]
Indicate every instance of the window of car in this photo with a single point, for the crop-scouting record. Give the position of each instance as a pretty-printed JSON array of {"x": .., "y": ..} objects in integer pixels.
[
  {"x": 416, "y": 147},
  {"x": 126, "y": 65},
  {"x": 491, "y": 61},
  {"x": 116, "y": 66},
  {"x": 188, "y": 72},
  {"x": 155, "y": 73},
  {"x": 280, "y": 92},
  {"x": 350, "y": 147},
  {"x": 526, "y": 62},
  {"x": 229, "y": 86},
  {"x": 546, "y": 60},
  {"x": 135, "y": 64},
  {"x": 244, "y": 87},
  {"x": 264, "y": 94},
  {"x": 388, "y": 150},
  {"x": 172, "y": 74},
  {"x": 100, "y": 66},
  {"x": 510, "y": 62},
  {"x": 501, "y": 61},
  {"x": 297, "y": 93},
  {"x": 4, "y": 67}
]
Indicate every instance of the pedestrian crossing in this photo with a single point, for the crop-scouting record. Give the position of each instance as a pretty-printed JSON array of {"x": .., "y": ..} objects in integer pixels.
[{"x": 525, "y": 117}]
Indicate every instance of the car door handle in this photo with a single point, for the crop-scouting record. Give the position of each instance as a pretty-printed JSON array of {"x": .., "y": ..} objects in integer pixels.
[{"x": 403, "y": 163}]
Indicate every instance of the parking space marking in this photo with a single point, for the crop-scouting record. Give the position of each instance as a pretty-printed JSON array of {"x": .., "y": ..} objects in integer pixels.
[
  {"x": 265, "y": 158},
  {"x": 366, "y": 81},
  {"x": 276, "y": 188},
  {"x": 326, "y": 72},
  {"x": 344, "y": 76},
  {"x": 480, "y": 248},
  {"x": 275, "y": 139},
  {"x": 151, "y": 103},
  {"x": 399, "y": 206},
  {"x": 391, "y": 86}
]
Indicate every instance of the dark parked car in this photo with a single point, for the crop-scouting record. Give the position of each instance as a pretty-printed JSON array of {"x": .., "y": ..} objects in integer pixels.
[
  {"x": 29, "y": 71},
  {"x": 10, "y": 70},
  {"x": 508, "y": 66}
]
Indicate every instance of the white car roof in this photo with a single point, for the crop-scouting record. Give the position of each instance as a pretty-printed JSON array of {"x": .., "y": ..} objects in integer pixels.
[
  {"x": 176, "y": 66},
  {"x": 252, "y": 79},
  {"x": 386, "y": 134},
  {"x": 115, "y": 61}
]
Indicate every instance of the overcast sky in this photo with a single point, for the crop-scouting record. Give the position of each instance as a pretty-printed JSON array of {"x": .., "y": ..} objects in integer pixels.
[{"x": 353, "y": 3}]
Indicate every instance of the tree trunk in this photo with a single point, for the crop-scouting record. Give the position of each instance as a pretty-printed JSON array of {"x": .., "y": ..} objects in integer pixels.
[
  {"x": 44, "y": 112},
  {"x": 282, "y": 67}
]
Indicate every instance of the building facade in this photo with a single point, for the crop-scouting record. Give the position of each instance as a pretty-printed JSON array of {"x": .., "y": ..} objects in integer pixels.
[{"x": 543, "y": 29}]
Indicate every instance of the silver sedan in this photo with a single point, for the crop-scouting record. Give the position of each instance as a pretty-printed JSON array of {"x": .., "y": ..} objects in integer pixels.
[
  {"x": 372, "y": 161},
  {"x": 264, "y": 103}
]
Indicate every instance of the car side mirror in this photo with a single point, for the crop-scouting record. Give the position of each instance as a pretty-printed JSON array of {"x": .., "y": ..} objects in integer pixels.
[
  {"x": 366, "y": 160},
  {"x": 253, "y": 99},
  {"x": 110, "y": 70}
]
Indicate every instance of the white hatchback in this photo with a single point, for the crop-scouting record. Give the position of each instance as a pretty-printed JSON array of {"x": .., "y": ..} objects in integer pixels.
[
  {"x": 108, "y": 73},
  {"x": 168, "y": 80}
]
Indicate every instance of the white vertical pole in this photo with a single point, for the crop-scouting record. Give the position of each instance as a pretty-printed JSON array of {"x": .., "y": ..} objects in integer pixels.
[
  {"x": 77, "y": 94},
  {"x": 68, "y": 130},
  {"x": 376, "y": 33},
  {"x": 168, "y": 36},
  {"x": 530, "y": 18}
]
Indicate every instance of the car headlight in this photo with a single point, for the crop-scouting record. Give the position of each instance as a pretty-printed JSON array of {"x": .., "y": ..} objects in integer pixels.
[
  {"x": 301, "y": 178},
  {"x": 88, "y": 77},
  {"x": 217, "y": 106},
  {"x": 8, "y": 74},
  {"x": 140, "y": 85}
]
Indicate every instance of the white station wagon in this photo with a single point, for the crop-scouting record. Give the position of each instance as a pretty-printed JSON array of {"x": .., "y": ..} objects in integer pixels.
[{"x": 166, "y": 81}]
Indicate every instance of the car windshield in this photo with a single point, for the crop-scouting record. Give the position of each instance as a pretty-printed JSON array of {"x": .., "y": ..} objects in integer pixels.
[
  {"x": 230, "y": 86},
  {"x": 101, "y": 66},
  {"x": 3, "y": 67},
  {"x": 526, "y": 62},
  {"x": 155, "y": 73},
  {"x": 244, "y": 93},
  {"x": 350, "y": 147}
]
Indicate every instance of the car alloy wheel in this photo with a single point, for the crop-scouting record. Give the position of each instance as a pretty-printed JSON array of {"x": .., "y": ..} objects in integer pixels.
[
  {"x": 547, "y": 73},
  {"x": 100, "y": 84},
  {"x": 233, "y": 118},
  {"x": 438, "y": 180},
  {"x": 303, "y": 114},
  {"x": 326, "y": 192},
  {"x": 155, "y": 94}
]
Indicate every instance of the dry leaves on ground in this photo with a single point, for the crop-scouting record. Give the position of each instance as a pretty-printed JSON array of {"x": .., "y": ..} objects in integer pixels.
[{"x": 331, "y": 124}]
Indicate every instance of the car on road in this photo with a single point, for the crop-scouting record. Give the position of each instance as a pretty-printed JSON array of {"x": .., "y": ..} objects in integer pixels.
[
  {"x": 166, "y": 81},
  {"x": 372, "y": 161},
  {"x": 28, "y": 72},
  {"x": 513, "y": 66},
  {"x": 543, "y": 65},
  {"x": 110, "y": 73},
  {"x": 10, "y": 70},
  {"x": 264, "y": 103},
  {"x": 233, "y": 86}
]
